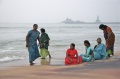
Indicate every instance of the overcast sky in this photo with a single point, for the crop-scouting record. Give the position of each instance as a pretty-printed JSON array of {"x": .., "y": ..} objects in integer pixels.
[{"x": 55, "y": 11}]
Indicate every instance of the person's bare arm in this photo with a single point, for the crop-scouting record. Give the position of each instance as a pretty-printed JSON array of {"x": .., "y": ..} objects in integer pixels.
[
  {"x": 91, "y": 52},
  {"x": 38, "y": 39},
  {"x": 77, "y": 57},
  {"x": 27, "y": 40},
  {"x": 95, "y": 46},
  {"x": 48, "y": 42},
  {"x": 69, "y": 57}
]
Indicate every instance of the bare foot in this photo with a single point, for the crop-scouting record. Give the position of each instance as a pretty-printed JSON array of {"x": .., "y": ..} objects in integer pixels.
[
  {"x": 42, "y": 58},
  {"x": 49, "y": 56},
  {"x": 32, "y": 64}
]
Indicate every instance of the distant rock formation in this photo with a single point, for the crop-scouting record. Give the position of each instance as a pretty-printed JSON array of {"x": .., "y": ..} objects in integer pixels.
[{"x": 70, "y": 21}]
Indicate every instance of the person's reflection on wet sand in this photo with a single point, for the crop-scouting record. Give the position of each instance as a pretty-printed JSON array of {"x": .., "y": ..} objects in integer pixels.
[{"x": 45, "y": 61}]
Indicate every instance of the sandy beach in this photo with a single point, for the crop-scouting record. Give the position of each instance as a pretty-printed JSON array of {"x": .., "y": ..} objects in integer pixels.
[{"x": 108, "y": 69}]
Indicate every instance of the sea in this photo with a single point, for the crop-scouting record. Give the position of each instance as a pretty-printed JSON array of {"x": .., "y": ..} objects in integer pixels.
[{"x": 13, "y": 44}]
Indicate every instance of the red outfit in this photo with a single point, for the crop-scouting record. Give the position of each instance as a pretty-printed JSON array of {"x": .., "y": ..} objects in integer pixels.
[{"x": 72, "y": 55}]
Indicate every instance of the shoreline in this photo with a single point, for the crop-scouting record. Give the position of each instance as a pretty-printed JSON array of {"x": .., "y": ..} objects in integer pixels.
[
  {"x": 52, "y": 62},
  {"x": 99, "y": 69},
  {"x": 38, "y": 62}
]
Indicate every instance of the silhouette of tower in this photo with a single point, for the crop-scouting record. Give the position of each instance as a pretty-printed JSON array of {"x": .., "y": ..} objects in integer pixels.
[{"x": 98, "y": 20}]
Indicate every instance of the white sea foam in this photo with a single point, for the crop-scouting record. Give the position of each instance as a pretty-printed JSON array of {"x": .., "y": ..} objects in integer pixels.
[{"x": 4, "y": 59}]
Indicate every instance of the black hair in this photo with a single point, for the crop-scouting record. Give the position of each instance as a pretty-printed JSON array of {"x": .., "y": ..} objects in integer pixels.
[
  {"x": 87, "y": 42},
  {"x": 102, "y": 26},
  {"x": 42, "y": 30},
  {"x": 35, "y": 25},
  {"x": 73, "y": 44}
]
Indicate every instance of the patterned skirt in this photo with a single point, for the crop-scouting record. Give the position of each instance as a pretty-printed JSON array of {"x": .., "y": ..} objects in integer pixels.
[{"x": 110, "y": 44}]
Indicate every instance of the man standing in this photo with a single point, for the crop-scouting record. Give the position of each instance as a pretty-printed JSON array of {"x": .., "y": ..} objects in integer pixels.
[{"x": 31, "y": 43}]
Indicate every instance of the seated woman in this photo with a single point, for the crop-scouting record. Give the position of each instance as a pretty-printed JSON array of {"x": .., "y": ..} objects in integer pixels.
[
  {"x": 72, "y": 56},
  {"x": 99, "y": 50},
  {"x": 88, "y": 56}
]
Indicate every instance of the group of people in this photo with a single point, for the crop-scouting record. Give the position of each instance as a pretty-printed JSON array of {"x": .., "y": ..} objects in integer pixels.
[
  {"x": 31, "y": 42},
  {"x": 91, "y": 54},
  {"x": 100, "y": 51}
]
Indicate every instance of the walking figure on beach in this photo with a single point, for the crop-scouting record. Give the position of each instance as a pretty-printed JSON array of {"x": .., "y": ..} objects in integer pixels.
[
  {"x": 44, "y": 43},
  {"x": 31, "y": 43}
]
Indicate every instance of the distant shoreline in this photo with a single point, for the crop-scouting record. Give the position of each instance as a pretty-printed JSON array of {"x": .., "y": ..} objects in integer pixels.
[
  {"x": 70, "y": 21},
  {"x": 95, "y": 23}
]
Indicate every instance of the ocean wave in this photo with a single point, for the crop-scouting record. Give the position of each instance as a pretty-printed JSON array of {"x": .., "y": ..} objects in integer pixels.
[{"x": 7, "y": 58}]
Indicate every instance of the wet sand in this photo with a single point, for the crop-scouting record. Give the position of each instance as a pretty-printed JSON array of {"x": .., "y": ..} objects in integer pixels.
[{"x": 108, "y": 69}]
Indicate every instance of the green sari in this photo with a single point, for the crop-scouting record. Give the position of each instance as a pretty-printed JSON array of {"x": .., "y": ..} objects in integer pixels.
[{"x": 44, "y": 40}]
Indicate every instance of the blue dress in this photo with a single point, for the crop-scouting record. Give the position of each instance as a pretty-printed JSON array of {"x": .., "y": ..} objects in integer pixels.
[
  {"x": 32, "y": 45},
  {"x": 87, "y": 57},
  {"x": 100, "y": 52}
]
